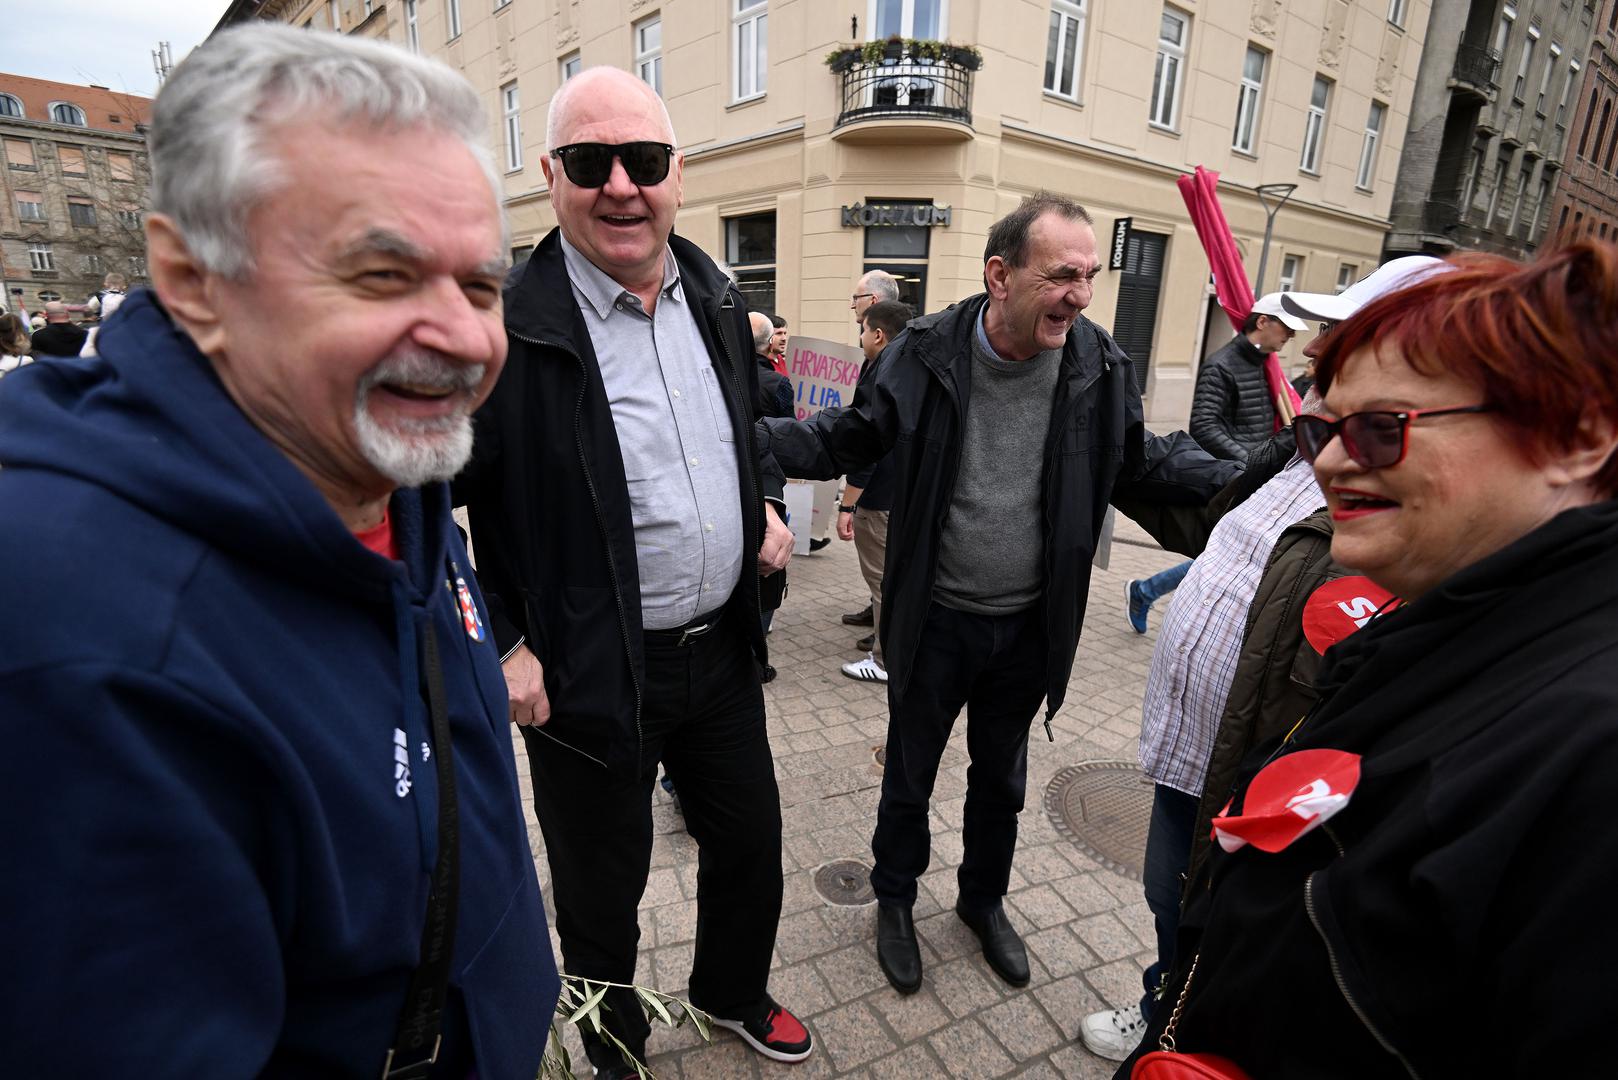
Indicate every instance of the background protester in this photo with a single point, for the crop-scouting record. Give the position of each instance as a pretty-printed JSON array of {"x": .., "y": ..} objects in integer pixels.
[
  {"x": 254, "y": 720},
  {"x": 979, "y": 611},
  {"x": 868, "y": 493},
  {"x": 619, "y": 510},
  {"x": 14, "y": 344},
  {"x": 1409, "y": 882},
  {"x": 58, "y": 337}
]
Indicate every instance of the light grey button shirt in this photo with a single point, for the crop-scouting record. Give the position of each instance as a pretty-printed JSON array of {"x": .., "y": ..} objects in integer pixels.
[{"x": 677, "y": 441}]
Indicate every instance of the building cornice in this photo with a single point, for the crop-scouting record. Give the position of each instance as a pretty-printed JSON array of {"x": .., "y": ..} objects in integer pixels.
[
  {"x": 1163, "y": 170},
  {"x": 21, "y": 127}
]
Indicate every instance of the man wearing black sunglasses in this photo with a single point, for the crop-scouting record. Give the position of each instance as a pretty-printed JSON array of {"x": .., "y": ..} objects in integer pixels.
[{"x": 622, "y": 517}]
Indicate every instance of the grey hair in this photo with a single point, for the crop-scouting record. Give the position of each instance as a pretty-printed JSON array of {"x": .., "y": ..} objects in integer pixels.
[
  {"x": 763, "y": 329},
  {"x": 882, "y": 285},
  {"x": 211, "y": 122},
  {"x": 553, "y": 114}
]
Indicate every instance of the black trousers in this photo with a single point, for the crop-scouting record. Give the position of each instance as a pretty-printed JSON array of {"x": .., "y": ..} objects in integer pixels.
[
  {"x": 703, "y": 716},
  {"x": 994, "y": 666}
]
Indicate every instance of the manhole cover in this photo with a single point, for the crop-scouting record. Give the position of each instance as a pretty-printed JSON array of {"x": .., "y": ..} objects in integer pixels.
[
  {"x": 846, "y": 883},
  {"x": 1104, "y": 807}
]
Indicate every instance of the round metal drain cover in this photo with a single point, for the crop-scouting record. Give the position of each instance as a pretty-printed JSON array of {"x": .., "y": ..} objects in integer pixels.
[
  {"x": 1104, "y": 807},
  {"x": 846, "y": 883}
]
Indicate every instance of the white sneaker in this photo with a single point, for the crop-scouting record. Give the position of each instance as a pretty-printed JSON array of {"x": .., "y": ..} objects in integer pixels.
[
  {"x": 1114, "y": 1033},
  {"x": 867, "y": 669}
]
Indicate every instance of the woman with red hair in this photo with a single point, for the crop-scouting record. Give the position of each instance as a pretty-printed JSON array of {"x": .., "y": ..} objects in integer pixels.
[{"x": 1417, "y": 879}]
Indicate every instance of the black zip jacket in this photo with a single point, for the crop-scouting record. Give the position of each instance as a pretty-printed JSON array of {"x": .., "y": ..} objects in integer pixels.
[
  {"x": 1454, "y": 918},
  {"x": 1231, "y": 412},
  {"x": 1097, "y": 449},
  {"x": 549, "y": 506}
]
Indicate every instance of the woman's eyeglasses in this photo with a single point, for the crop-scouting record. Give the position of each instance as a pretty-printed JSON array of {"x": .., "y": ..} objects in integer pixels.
[
  {"x": 1374, "y": 440},
  {"x": 589, "y": 164}
]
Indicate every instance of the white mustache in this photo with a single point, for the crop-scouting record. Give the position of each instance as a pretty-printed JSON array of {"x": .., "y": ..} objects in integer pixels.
[{"x": 424, "y": 367}]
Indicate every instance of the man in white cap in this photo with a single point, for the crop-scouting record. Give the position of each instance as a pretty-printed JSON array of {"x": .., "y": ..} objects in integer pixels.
[
  {"x": 1232, "y": 667},
  {"x": 1231, "y": 412}
]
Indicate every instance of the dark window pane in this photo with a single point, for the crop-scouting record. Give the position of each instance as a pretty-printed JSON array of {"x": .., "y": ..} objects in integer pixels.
[
  {"x": 758, "y": 289},
  {"x": 750, "y": 239},
  {"x": 912, "y": 281}
]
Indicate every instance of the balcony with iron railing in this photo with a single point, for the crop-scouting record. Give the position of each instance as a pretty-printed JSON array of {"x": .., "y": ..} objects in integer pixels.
[
  {"x": 904, "y": 91},
  {"x": 1476, "y": 69}
]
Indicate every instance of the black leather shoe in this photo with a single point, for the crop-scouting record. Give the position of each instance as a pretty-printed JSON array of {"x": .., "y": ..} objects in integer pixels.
[
  {"x": 1002, "y": 947},
  {"x": 866, "y": 643},
  {"x": 896, "y": 950},
  {"x": 816, "y": 545},
  {"x": 861, "y": 618}
]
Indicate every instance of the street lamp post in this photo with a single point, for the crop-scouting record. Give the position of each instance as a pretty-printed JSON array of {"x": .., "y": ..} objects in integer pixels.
[{"x": 1280, "y": 193}]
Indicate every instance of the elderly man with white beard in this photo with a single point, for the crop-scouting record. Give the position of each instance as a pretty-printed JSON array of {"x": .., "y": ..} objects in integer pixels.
[{"x": 255, "y": 719}]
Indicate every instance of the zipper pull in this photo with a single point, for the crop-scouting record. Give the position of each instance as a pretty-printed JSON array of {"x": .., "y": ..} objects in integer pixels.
[{"x": 1049, "y": 734}]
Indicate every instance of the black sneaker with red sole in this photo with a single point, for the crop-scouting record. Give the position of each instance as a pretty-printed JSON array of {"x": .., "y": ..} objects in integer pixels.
[{"x": 776, "y": 1034}]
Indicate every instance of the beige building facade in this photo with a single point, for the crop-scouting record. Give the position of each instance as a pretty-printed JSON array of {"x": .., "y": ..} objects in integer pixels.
[{"x": 814, "y": 151}]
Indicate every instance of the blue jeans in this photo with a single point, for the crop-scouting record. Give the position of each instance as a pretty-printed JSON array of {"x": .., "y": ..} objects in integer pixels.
[
  {"x": 1159, "y": 585},
  {"x": 1168, "y": 850}
]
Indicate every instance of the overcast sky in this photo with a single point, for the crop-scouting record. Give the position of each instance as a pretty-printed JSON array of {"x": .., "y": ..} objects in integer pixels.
[{"x": 105, "y": 42}]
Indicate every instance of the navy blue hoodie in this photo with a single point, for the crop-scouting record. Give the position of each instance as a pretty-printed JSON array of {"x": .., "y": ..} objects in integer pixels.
[{"x": 215, "y": 865}]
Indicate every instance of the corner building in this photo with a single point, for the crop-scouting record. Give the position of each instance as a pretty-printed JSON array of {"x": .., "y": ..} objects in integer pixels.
[{"x": 816, "y": 148}]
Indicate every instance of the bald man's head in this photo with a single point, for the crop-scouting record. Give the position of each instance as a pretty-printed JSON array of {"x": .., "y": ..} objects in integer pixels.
[
  {"x": 55, "y": 311},
  {"x": 763, "y": 330},
  {"x": 626, "y": 93}
]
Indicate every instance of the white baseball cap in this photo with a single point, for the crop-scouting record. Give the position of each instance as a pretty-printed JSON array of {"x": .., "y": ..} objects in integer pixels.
[
  {"x": 1391, "y": 276},
  {"x": 1270, "y": 304}
]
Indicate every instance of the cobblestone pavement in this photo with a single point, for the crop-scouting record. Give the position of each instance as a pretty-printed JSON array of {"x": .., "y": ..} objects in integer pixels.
[{"x": 1087, "y": 928}]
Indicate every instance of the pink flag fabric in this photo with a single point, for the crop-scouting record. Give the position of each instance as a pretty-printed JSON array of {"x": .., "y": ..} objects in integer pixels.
[{"x": 1231, "y": 287}]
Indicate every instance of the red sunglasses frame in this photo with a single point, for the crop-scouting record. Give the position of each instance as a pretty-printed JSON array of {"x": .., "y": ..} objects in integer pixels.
[{"x": 1336, "y": 428}]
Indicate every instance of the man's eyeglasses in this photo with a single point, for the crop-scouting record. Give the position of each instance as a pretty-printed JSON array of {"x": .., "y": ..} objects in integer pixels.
[
  {"x": 589, "y": 164},
  {"x": 857, "y": 297},
  {"x": 1374, "y": 440}
]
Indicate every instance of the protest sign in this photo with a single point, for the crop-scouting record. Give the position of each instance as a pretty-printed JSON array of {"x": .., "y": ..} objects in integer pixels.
[{"x": 824, "y": 374}]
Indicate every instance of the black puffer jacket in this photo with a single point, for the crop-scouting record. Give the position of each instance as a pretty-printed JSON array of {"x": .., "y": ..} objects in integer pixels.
[
  {"x": 1454, "y": 918},
  {"x": 1097, "y": 450},
  {"x": 1231, "y": 413},
  {"x": 549, "y": 505}
]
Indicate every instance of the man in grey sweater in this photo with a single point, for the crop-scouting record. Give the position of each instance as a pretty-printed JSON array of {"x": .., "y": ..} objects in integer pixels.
[{"x": 1012, "y": 420}]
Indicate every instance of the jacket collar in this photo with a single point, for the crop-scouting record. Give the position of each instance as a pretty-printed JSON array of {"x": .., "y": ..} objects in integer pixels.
[
  {"x": 536, "y": 309},
  {"x": 944, "y": 340},
  {"x": 1248, "y": 351}
]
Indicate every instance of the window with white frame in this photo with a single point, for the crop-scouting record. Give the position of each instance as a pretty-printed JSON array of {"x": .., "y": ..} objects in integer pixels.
[
  {"x": 750, "y": 253},
  {"x": 90, "y": 264},
  {"x": 1346, "y": 273},
  {"x": 1567, "y": 91},
  {"x": 48, "y": 295},
  {"x": 1508, "y": 15},
  {"x": 40, "y": 257},
  {"x": 922, "y": 19},
  {"x": 749, "y": 49},
  {"x": 1523, "y": 178},
  {"x": 1523, "y": 63},
  {"x": 30, "y": 207},
  {"x": 1172, "y": 36},
  {"x": 453, "y": 10},
  {"x": 63, "y": 112},
  {"x": 1545, "y": 79},
  {"x": 649, "y": 52},
  {"x": 1373, "y": 136},
  {"x": 1396, "y": 12},
  {"x": 81, "y": 211},
  {"x": 512, "y": 111},
  {"x": 1291, "y": 271},
  {"x": 137, "y": 265},
  {"x": 1314, "y": 126},
  {"x": 572, "y": 64},
  {"x": 129, "y": 219},
  {"x": 412, "y": 31},
  {"x": 1064, "y": 49},
  {"x": 11, "y": 105},
  {"x": 1245, "y": 137}
]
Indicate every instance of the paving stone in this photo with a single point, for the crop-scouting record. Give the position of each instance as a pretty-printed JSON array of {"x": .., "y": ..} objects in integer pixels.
[
  {"x": 967, "y": 986},
  {"x": 969, "y": 1052},
  {"x": 1109, "y": 938},
  {"x": 911, "y": 1015},
  {"x": 852, "y": 1036},
  {"x": 1040, "y": 907},
  {"x": 1022, "y": 1027}
]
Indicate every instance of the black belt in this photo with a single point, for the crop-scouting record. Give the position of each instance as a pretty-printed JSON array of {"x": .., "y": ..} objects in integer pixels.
[{"x": 698, "y": 627}]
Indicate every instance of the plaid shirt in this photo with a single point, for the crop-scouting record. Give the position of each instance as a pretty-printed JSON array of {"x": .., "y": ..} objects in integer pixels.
[{"x": 1195, "y": 659}]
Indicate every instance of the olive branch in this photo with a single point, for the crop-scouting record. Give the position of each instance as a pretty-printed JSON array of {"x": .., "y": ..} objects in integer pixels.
[{"x": 581, "y": 1002}]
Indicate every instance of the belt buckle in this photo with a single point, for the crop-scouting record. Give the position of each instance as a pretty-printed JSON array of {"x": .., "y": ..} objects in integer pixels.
[
  {"x": 691, "y": 633},
  {"x": 416, "y": 1070}
]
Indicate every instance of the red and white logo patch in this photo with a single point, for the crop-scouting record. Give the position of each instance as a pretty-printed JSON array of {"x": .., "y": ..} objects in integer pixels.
[
  {"x": 1289, "y": 797},
  {"x": 1338, "y": 608}
]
